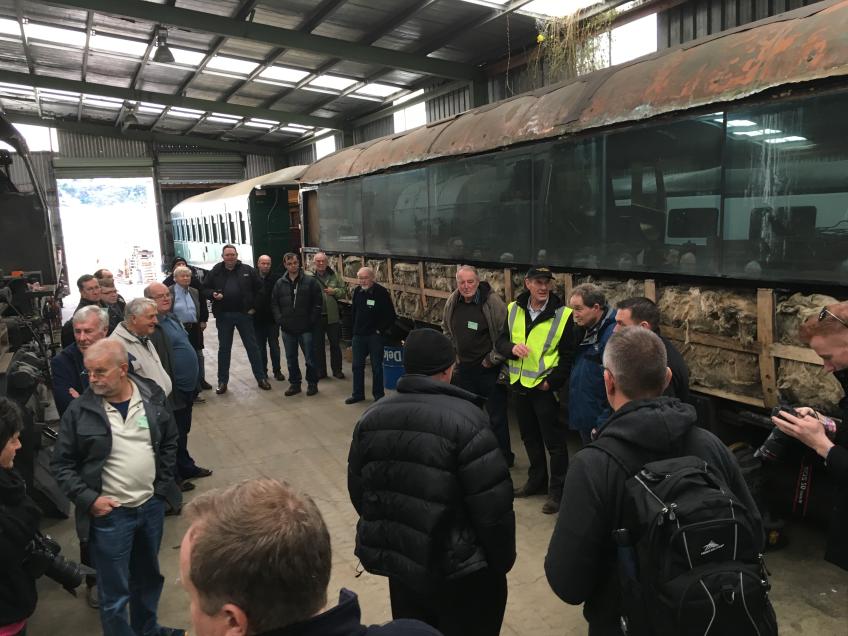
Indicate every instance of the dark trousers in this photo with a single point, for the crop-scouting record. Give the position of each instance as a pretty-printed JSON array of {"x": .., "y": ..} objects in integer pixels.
[
  {"x": 538, "y": 421},
  {"x": 227, "y": 322},
  {"x": 471, "y": 606},
  {"x": 484, "y": 382},
  {"x": 85, "y": 559},
  {"x": 186, "y": 468},
  {"x": 334, "y": 333},
  {"x": 291, "y": 341},
  {"x": 201, "y": 367},
  {"x": 364, "y": 347},
  {"x": 268, "y": 335}
]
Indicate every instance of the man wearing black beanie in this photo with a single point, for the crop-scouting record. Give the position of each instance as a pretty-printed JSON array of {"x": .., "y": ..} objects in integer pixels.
[{"x": 434, "y": 496}]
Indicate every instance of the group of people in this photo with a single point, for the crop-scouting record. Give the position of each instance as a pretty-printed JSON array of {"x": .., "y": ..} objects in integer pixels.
[{"x": 428, "y": 468}]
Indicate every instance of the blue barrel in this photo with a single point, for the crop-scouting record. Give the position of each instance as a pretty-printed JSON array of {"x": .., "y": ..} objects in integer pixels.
[{"x": 392, "y": 366}]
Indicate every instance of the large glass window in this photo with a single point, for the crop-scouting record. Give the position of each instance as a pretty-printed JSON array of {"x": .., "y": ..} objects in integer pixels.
[
  {"x": 664, "y": 198},
  {"x": 786, "y": 205},
  {"x": 569, "y": 204},
  {"x": 480, "y": 209},
  {"x": 395, "y": 207},
  {"x": 340, "y": 211}
]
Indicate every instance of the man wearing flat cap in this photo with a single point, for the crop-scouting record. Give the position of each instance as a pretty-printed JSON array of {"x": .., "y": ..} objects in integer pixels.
[
  {"x": 434, "y": 497},
  {"x": 538, "y": 341}
]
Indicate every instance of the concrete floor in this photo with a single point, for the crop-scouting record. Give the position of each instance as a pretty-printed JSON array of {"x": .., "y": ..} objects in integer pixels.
[{"x": 304, "y": 440}]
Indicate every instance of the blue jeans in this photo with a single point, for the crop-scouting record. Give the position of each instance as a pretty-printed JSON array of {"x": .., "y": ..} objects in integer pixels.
[
  {"x": 228, "y": 322},
  {"x": 363, "y": 347},
  {"x": 268, "y": 334},
  {"x": 484, "y": 382},
  {"x": 305, "y": 341},
  {"x": 125, "y": 549}
]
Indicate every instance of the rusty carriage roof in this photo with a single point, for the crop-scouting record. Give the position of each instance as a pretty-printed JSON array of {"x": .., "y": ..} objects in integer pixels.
[{"x": 807, "y": 44}]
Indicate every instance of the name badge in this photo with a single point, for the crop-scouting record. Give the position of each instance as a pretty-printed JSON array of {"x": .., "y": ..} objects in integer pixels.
[
  {"x": 142, "y": 421},
  {"x": 370, "y": 303},
  {"x": 472, "y": 325}
]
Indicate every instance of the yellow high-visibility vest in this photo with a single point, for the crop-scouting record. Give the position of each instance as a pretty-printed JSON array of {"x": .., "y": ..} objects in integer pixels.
[{"x": 543, "y": 344}]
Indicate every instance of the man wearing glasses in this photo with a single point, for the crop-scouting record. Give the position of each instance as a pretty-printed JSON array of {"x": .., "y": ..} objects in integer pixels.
[
  {"x": 827, "y": 335},
  {"x": 373, "y": 315}
]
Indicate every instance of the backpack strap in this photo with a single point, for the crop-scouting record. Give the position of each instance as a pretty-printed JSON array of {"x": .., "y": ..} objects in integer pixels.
[{"x": 612, "y": 449}]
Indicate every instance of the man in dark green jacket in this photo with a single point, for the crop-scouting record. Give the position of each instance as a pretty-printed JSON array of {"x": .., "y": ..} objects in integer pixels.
[{"x": 334, "y": 288}]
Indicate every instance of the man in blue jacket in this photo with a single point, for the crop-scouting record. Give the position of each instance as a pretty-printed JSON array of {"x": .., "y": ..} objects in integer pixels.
[
  {"x": 70, "y": 380},
  {"x": 587, "y": 399}
]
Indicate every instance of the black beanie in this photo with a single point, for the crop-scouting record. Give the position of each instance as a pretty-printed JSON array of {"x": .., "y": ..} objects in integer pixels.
[{"x": 427, "y": 352}]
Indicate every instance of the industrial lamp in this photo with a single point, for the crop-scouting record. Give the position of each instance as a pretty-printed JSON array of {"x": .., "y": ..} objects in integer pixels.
[{"x": 162, "y": 54}]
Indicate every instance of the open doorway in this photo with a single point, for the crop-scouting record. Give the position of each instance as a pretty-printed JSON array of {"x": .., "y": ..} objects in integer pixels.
[{"x": 110, "y": 223}]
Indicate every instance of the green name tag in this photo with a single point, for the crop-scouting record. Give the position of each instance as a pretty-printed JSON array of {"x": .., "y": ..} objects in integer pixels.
[
  {"x": 472, "y": 325},
  {"x": 142, "y": 422},
  {"x": 370, "y": 303}
]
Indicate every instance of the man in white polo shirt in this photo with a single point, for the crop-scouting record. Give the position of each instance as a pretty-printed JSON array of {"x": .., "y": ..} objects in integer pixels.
[{"x": 115, "y": 460}]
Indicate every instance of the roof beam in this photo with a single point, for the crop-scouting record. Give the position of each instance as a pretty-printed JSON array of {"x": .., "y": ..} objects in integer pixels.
[
  {"x": 209, "y": 23},
  {"x": 19, "y": 10},
  {"x": 57, "y": 83},
  {"x": 89, "y": 25},
  {"x": 107, "y": 130}
]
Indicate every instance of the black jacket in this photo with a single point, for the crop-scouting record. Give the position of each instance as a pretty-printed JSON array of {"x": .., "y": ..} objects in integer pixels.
[
  {"x": 297, "y": 304},
  {"x": 837, "y": 467},
  {"x": 68, "y": 373},
  {"x": 431, "y": 487},
  {"x": 679, "y": 385},
  {"x": 85, "y": 442},
  {"x": 263, "y": 301},
  {"x": 373, "y": 310},
  {"x": 345, "y": 619},
  {"x": 249, "y": 285},
  {"x": 567, "y": 344},
  {"x": 19, "y": 516},
  {"x": 580, "y": 564}
]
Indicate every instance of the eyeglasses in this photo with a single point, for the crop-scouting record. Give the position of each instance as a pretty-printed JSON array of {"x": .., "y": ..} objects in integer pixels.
[{"x": 825, "y": 312}]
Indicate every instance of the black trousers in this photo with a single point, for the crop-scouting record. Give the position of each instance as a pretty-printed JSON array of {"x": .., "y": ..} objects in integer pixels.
[
  {"x": 334, "y": 334},
  {"x": 471, "y": 606},
  {"x": 538, "y": 421},
  {"x": 484, "y": 382}
]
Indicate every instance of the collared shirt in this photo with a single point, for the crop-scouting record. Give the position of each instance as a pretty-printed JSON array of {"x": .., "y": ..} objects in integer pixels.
[
  {"x": 184, "y": 307},
  {"x": 185, "y": 357},
  {"x": 130, "y": 470},
  {"x": 534, "y": 313}
]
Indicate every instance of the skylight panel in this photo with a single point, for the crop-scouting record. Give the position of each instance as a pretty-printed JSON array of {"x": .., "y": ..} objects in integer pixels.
[
  {"x": 185, "y": 113},
  {"x": 186, "y": 57},
  {"x": 149, "y": 109},
  {"x": 284, "y": 74},
  {"x": 222, "y": 120},
  {"x": 232, "y": 65},
  {"x": 54, "y": 34},
  {"x": 97, "y": 101},
  {"x": 10, "y": 27},
  {"x": 301, "y": 126},
  {"x": 17, "y": 89},
  {"x": 267, "y": 124},
  {"x": 51, "y": 95},
  {"x": 556, "y": 8},
  {"x": 118, "y": 45},
  {"x": 333, "y": 82},
  {"x": 292, "y": 129},
  {"x": 378, "y": 90}
]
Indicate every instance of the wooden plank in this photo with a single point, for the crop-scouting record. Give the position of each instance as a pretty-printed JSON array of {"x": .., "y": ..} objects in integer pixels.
[
  {"x": 765, "y": 336},
  {"x": 722, "y": 342},
  {"x": 5, "y": 361},
  {"x": 508, "y": 284},
  {"x": 421, "y": 285},
  {"x": 794, "y": 352},
  {"x": 569, "y": 285},
  {"x": 434, "y": 293},
  {"x": 727, "y": 395},
  {"x": 390, "y": 275},
  {"x": 651, "y": 289}
]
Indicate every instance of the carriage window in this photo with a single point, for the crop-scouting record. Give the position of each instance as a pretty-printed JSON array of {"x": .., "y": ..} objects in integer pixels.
[
  {"x": 395, "y": 213},
  {"x": 223, "y": 228},
  {"x": 242, "y": 228},
  {"x": 568, "y": 204},
  {"x": 786, "y": 205},
  {"x": 341, "y": 216},
  {"x": 233, "y": 236},
  {"x": 480, "y": 209},
  {"x": 663, "y": 197}
]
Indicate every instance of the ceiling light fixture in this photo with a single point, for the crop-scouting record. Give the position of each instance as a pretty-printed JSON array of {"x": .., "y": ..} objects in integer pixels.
[{"x": 163, "y": 54}]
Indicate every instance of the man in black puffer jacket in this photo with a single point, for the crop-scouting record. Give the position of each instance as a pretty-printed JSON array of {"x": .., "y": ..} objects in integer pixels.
[
  {"x": 581, "y": 562},
  {"x": 434, "y": 497}
]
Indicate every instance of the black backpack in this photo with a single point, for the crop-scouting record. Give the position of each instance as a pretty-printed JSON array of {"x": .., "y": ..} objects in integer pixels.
[{"x": 688, "y": 554}]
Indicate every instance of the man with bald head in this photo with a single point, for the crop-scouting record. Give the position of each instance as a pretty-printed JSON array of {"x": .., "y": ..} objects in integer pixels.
[
  {"x": 115, "y": 459},
  {"x": 267, "y": 330},
  {"x": 373, "y": 316}
]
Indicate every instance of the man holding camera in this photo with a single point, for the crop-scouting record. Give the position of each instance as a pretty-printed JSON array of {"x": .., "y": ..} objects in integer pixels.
[
  {"x": 827, "y": 335},
  {"x": 115, "y": 459}
]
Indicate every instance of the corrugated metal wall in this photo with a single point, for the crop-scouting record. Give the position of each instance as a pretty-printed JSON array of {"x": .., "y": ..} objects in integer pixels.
[
  {"x": 448, "y": 105},
  {"x": 375, "y": 129},
  {"x": 302, "y": 156},
  {"x": 700, "y": 18},
  {"x": 195, "y": 169},
  {"x": 257, "y": 165},
  {"x": 90, "y": 147}
]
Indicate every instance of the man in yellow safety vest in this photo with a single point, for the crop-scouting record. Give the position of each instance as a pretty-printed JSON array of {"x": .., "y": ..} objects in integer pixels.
[{"x": 539, "y": 343}]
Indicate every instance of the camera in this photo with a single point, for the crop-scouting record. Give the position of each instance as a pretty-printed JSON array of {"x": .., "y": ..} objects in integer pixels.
[
  {"x": 43, "y": 558},
  {"x": 778, "y": 443}
]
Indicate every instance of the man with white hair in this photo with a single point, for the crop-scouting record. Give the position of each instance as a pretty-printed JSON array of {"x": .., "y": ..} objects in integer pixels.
[
  {"x": 70, "y": 380},
  {"x": 115, "y": 459},
  {"x": 373, "y": 316},
  {"x": 134, "y": 333}
]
